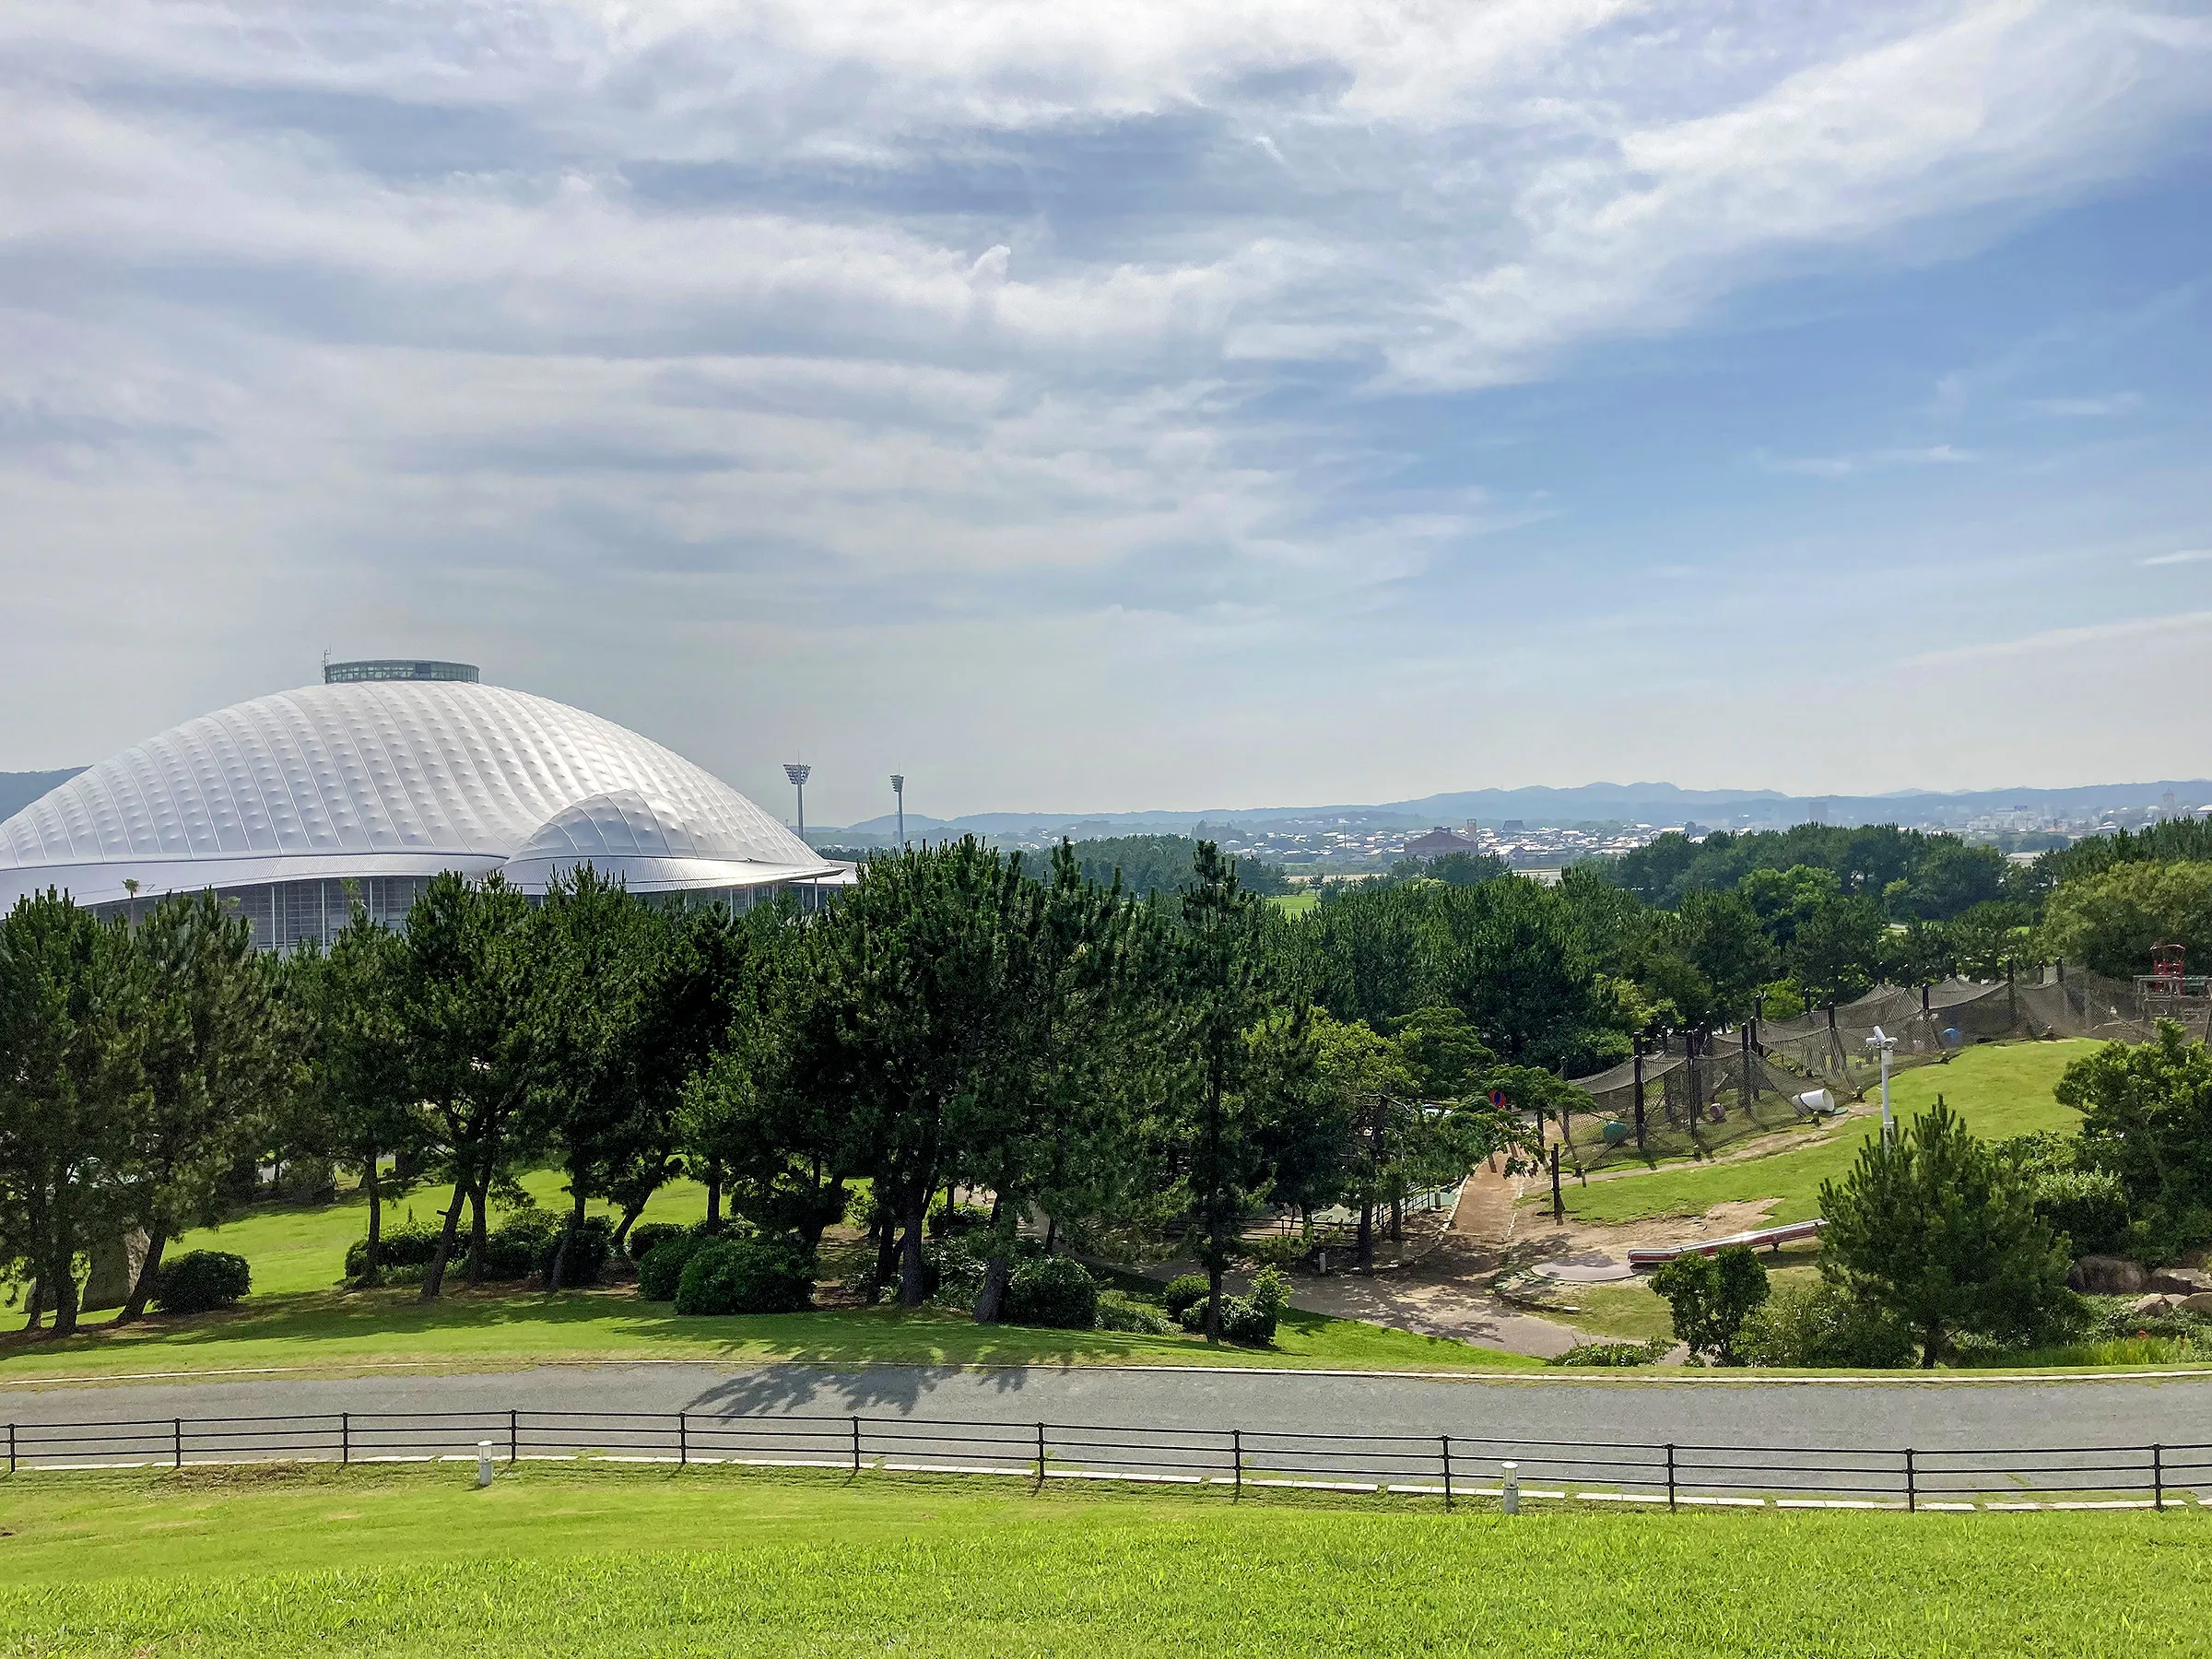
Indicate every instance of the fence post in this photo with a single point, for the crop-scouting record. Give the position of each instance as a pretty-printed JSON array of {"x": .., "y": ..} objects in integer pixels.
[
  {"x": 683, "y": 1439},
  {"x": 1670, "y": 1474},
  {"x": 1040, "y": 1455},
  {"x": 856, "y": 1445},
  {"x": 344, "y": 1437},
  {"x": 513, "y": 1436},
  {"x": 2158, "y": 1477},
  {"x": 176, "y": 1442},
  {"x": 11, "y": 1448},
  {"x": 1639, "y": 1095},
  {"x": 1447, "y": 1438},
  {"x": 1236, "y": 1437},
  {"x": 1558, "y": 1204},
  {"x": 1912, "y": 1482}
]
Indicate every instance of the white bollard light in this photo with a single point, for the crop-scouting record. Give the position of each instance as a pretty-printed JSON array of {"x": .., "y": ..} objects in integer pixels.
[
  {"x": 1509, "y": 1495},
  {"x": 483, "y": 1464}
]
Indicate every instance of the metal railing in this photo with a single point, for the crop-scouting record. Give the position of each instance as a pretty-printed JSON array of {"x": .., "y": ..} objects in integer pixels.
[{"x": 1447, "y": 1465}]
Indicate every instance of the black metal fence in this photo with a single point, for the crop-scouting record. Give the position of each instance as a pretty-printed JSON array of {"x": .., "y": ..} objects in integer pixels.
[{"x": 1448, "y": 1467}]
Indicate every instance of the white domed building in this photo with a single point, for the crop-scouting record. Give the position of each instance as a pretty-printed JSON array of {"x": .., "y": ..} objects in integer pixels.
[{"x": 290, "y": 806}]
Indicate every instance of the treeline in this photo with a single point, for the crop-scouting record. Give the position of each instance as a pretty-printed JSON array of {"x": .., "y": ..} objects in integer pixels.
[
  {"x": 957, "y": 1020},
  {"x": 1904, "y": 904},
  {"x": 1150, "y": 866}
]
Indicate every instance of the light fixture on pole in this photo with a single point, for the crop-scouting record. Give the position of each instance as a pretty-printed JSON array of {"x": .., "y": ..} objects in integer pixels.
[
  {"x": 1882, "y": 1043},
  {"x": 898, "y": 789},
  {"x": 798, "y": 771}
]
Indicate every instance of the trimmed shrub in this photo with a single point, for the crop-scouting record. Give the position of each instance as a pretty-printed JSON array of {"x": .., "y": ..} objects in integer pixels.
[
  {"x": 1183, "y": 1293},
  {"x": 747, "y": 1275},
  {"x": 1055, "y": 1290},
  {"x": 201, "y": 1280},
  {"x": 517, "y": 1247},
  {"x": 661, "y": 1269},
  {"x": 1817, "y": 1323},
  {"x": 410, "y": 1244},
  {"x": 588, "y": 1252},
  {"x": 1119, "y": 1312},
  {"x": 1612, "y": 1353},
  {"x": 1249, "y": 1319},
  {"x": 646, "y": 1234}
]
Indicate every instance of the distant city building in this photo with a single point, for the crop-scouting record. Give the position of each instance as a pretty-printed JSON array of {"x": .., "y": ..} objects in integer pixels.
[
  {"x": 293, "y": 807},
  {"x": 1439, "y": 841}
]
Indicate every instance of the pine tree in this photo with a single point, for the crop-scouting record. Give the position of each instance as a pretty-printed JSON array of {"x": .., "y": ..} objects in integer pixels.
[{"x": 1939, "y": 1232}]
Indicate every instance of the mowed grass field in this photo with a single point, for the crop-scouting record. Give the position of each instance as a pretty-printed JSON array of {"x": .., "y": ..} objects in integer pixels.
[
  {"x": 2000, "y": 1089},
  {"x": 299, "y": 1315},
  {"x": 577, "y": 1562},
  {"x": 294, "y": 1247},
  {"x": 493, "y": 1329}
]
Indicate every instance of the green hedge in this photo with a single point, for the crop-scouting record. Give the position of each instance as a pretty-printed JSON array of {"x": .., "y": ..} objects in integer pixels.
[
  {"x": 1055, "y": 1291},
  {"x": 746, "y": 1276},
  {"x": 661, "y": 1269},
  {"x": 201, "y": 1280}
]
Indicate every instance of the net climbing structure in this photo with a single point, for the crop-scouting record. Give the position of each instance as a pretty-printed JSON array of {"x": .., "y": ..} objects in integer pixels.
[{"x": 1695, "y": 1094}]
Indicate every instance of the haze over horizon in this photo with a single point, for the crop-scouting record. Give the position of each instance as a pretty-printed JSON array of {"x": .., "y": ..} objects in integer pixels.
[{"x": 1278, "y": 403}]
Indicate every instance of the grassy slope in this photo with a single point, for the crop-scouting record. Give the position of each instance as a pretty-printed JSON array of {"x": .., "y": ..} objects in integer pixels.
[
  {"x": 2000, "y": 1089},
  {"x": 573, "y": 1562},
  {"x": 492, "y": 1329},
  {"x": 302, "y": 1247},
  {"x": 1295, "y": 904},
  {"x": 298, "y": 1316}
]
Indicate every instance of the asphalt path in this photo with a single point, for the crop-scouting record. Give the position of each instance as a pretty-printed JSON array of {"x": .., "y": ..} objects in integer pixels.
[{"x": 1710, "y": 1408}]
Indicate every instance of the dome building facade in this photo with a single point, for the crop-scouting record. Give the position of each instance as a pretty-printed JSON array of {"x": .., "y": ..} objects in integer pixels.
[{"x": 294, "y": 806}]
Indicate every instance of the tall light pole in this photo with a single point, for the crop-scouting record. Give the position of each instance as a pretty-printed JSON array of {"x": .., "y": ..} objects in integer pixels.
[
  {"x": 1882, "y": 1043},
  {"x": 798, "y": 771},
  {"x": 898, "y": 789}
]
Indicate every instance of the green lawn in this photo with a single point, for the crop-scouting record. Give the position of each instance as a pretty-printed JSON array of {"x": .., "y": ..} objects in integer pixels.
[
  {"x": 560, "y": 1562},
  {"x": 2000, "y": 1089},
  {"x": 296, "y": 1247},
  {"x": 493, "y": 1329},
  {"x": 1295, "y": 904}
]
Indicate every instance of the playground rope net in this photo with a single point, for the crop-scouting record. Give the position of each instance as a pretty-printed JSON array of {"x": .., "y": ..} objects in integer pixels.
[{"x": 1695, "y": 1103}]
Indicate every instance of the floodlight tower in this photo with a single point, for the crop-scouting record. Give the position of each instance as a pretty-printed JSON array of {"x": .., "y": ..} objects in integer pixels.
[
  {"x": 899, "y": 792},
  {"x": 1882, "y": 1043},
  {"x": 798, "y": 771}
]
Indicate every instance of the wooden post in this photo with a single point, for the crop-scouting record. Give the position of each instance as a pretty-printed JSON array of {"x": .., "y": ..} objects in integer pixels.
[
  {"x": 1640, "y": 1094},
  {"x": 1558, "y": 1204},
  {"x": 1745, "y": 1091}
]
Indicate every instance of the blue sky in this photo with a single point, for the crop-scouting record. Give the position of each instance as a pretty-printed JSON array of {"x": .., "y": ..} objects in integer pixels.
[{"x": 1097, "y": 408}]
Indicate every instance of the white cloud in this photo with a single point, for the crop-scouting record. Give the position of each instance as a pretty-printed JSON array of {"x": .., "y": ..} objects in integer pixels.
[
  {"x": 413, "y": 315},
  {"x": 2186, "y": 556}
]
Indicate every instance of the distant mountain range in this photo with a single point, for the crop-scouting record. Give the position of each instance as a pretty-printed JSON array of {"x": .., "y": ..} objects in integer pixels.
[
  {"x": 1593, "y": 803},
  {"x": 1657, "y": 803}
]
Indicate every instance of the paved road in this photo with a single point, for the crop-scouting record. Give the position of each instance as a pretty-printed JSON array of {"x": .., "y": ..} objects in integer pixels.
[{"x": 1928, "y": 1414}]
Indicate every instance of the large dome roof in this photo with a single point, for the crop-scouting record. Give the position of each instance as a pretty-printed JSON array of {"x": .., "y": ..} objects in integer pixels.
[{"x": 391, "y": 778}]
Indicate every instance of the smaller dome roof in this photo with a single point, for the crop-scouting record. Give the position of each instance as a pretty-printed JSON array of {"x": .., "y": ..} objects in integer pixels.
[{"x": 646, "y": 842}]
